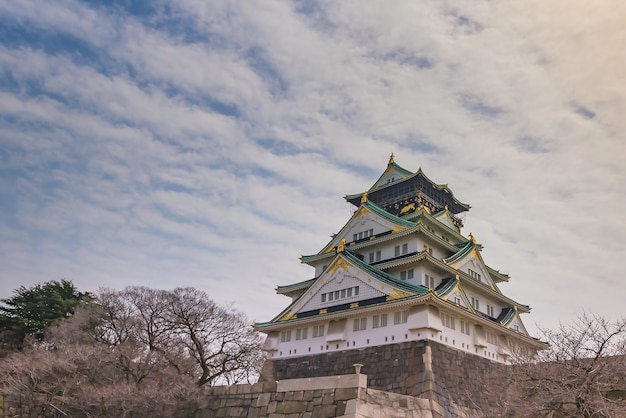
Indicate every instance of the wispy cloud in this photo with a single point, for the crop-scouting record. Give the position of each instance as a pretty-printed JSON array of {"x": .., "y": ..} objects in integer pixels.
[{"x": 210, "y": 143}]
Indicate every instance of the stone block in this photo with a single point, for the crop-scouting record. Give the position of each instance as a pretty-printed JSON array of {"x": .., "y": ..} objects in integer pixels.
[
  {"x": 271, "y": 408},
  {"x": 269, "y": 386},
  {"x": 340, "y": 408},
  {"x": 245, "y": 388},
  {"x": 263, "y": 399},
  {"x": 328, "y": 399},
  {"x": 293, "y": 407},
  {"x": 343, "y": 394},
  {"x": 323, "y": 411}
]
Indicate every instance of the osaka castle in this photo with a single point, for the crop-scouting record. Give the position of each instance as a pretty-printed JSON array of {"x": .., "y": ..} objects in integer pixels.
[{"x": 400, "y": 270}]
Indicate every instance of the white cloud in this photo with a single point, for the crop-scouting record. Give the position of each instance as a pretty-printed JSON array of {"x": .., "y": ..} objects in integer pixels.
[{"x": 211, "y": 144}]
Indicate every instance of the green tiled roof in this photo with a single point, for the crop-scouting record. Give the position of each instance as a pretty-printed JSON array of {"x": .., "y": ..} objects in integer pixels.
[
  {"x": 446, "y": 286},
  {"x": 288, "y": 287},
  {"x": 382, "y": 212},
  {"x": 466, "y": 248},
  {"x": 507, "y": 316},
  {"x": 382, "y": 276}
]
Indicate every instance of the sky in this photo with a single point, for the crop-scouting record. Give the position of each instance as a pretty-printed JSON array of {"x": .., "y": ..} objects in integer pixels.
[{"x": 209, "y": 143}]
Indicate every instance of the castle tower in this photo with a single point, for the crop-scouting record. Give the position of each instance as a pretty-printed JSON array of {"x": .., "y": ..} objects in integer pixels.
[{"x": 399, "y": 273}]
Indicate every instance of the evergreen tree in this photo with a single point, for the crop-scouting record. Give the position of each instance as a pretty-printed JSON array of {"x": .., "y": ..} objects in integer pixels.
[{"x": 31, "y": 310}]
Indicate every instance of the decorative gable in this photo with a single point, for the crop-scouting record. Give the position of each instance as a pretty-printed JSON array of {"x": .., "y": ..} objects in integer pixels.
[
  {"x": 476, "y": 269},
  {"x": 445, "y": 218},
  {"x": 344, "y": 285},
  {"x": 367, "y": 222},
  {"x": 458, "y": 297},
  {"x": 517, "y": 326},
  {"x": 392, "y": 174},
  {"x": 469, "y": 261}
]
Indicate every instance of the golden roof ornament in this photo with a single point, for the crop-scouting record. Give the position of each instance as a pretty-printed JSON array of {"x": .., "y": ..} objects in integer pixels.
[
  {"x": 471, "y": 237},
  {"x": 342, "y": 246},
  {"x": 364, "y": 198},
  {"x": 391, "y": 158}
]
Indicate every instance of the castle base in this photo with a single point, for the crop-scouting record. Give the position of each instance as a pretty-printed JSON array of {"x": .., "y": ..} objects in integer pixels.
[{"x": 453, "y": 380}]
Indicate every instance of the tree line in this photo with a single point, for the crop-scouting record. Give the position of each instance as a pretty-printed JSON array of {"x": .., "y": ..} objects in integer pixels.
[
  {"x": 148, "y": 352},
  {"x": 118, "y": 351}
]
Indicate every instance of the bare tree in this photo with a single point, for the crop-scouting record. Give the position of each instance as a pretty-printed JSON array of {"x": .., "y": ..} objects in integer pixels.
[
  {"x": 139, "y": 351},
  {"x": 584, "y": 363},
  {"x": 220, "y": 340}
]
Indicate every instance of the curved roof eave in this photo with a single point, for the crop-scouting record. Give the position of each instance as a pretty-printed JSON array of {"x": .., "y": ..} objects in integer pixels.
[{"x": 419, "y": 172}]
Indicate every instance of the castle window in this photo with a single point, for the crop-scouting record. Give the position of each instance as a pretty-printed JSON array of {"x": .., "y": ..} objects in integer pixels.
[
  {"x": 396, "y": 251},
  {"x": 429, "y": 281},
  {"x": 475, "y": 303},
  {"x": 400, "y": 317},
  {"x": 355, "y": 237},
  {"x": 301, "y": 333},
  {"x": 377, "y": 255},
  {"x": 474, "y": 275},
  {"x": 490, "y": 311},
  {"x": 447, "y": 320},
  {"x": 407, "y": 274},
  {"x": 371, "y": 256},
  {"x": 285, "y": 336},
  {"x": 491, "y": 338},
  {"x": 405, "y": 248},
  {"x": 318, "y": 331},
  {"x": 360, "y": 324},
  {"x": 340, "y": 294},
  {"x": 465, "y": 328},
  {"x": 379, "y": 321}
]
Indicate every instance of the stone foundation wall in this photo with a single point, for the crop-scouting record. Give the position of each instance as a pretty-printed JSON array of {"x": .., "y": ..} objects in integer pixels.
[
  {"x": 322, "y": 397},
  {"x": 424, "y": 369}
]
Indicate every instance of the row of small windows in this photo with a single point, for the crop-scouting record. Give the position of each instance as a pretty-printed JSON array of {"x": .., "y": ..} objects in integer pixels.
[
  {"x": 447, "y": 320},
  {"x": 474, "y": 275},
  {"x": 429, "y": 281},
  {"x": 405, "y": 250},
  {"x": 397, "y": 251},
  {"x": 363, "y": 235},
  {"x": 465, "y": 328},
  {"x": 407, "y": 274},
  {"x": 376, "y": 255},
  {"x": 380, "y": 321},
  {"x": 302, "y": 333},
  {"x": 340, "y": 294}
]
